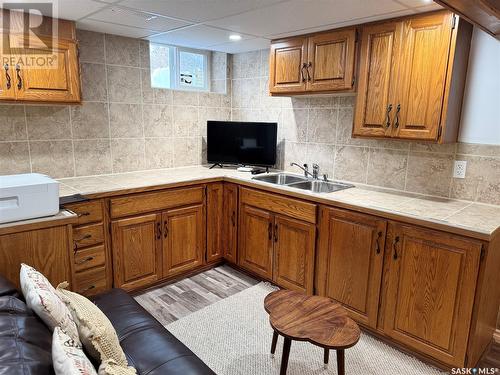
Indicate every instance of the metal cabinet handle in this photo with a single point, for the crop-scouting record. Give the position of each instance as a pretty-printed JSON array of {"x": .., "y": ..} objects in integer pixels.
[
  {"x": 270, "y": 231},
  {"x": 19, "y": 79},
  {"x": 7, "y": 76},
  {"x": 396, "y": 116},
  {"x": 83, "y": 214},
  {"x": 307, "y": 70},
  {"x": 87, "y": 289},
  {"x": 158, "y": 230},
  {"x": 395, "y": 248},
  {"x": 387, "y": 117},
  {"x": 165, "y": 232},
  {"x": 276, "y": 233},
  {"x": 377, "y": 244},
  {"x": 304, "y": 66},
  {"x": 88, "y": 259}
]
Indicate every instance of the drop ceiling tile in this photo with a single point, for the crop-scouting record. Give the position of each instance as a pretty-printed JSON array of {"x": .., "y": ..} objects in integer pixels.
[
  {"x": 415, "y": 3},
  {"x": 134, "y": 18},
  {"x": 242, "y": 46},
  {"x": 110, "y": 28},
  {"x": 196, "y": 10},
  {"x": 66, "y": 9},
  {"x": 198, "y": 36},
  {"x": 299, "y": 14}
]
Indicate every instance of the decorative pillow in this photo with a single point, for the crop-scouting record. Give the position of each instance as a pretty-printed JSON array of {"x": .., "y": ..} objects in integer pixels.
[
  {"x": 68, "y": 357},
  {"x": 110, "y": 367},
  {"x": 96, "y": 331},
  {"x": 41, "y": 297}
]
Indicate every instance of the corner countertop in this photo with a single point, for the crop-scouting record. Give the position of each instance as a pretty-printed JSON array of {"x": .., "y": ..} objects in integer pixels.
[{"x": 476, "y": 220}]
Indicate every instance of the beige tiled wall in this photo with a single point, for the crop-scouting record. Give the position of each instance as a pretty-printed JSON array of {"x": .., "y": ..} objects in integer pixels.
[
  {"x": 318, "y": 130},
  {"x": 123, "y": 123}
]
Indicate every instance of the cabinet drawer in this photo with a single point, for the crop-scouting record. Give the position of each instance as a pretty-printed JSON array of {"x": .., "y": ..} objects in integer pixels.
[
  {"x": 282, "y": 205},
  {"x": 140, "y": 203},
  {"x": 88, "y": 212},
  {"x": 89, "y": 258},
  {"x": 88, "y": 235},
  {"x": 91, "y": 281}
]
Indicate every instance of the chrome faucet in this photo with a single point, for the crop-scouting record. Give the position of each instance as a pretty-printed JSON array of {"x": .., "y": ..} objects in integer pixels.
[
  {"x": 305, "y": 168},
  {"x": 315, "y": 171}
]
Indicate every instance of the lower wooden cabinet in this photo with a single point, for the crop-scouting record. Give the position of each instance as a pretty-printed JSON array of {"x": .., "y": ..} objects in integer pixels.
[
  {"x": 350, "y": 257},
  {"x": 230, "y": 222},
  {"x": 430, "y": 284}
]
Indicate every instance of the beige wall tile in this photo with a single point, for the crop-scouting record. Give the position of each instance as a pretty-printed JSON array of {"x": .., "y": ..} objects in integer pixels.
[
  {"x": 478, "y": 149},
  {"x": 294, "y": 153},
  {"x": 163, "y": 96},
  {"x": 321, "y": 126},
  {"x": 246, "y": 65},
  {"x": 148, "y": 95},
  {"x": 90, "y": 120},
  {"x": 48, "y": 122},
  {"x": 344, "y": 129},
  {"x": 210, "y": 99},
  {"x": 264, "y": 63},
  {"x": 121, "y": 50},
  {"x": 127, "y": 155},
  {"x": 322, "y": 102},
  {"x": 187, "y": 151},
  {"x": 185, "y": 121},
  {"x": 54, "y": 158},
  {"x": 266, "y": 100},
  {"x": 181, "y": 97},
  {"x": 92, "y": 157},
  {"x": 218, "y": 65},
  {"x": 447, "y": 148},
  {"x": 125, "y": 120},
  {"x": 91, "y": 46},
  {"x": 14, "y": 158},
  {"x": 429, "y": 173},
  {"x": 387, "y": 168},
  {"x": 144, "y": 54},
  {"x": 159, "y": 153},
  {"x": 216, "y": 114},
  {"x": 12, "y": 123},
  {"x": 245, "y": 93},
  {"x": 157, "y": 120},
  {"x": 93, "y": 78},
  {"x": 295, "y": 124},
  {"x": 351, "y": 163},
  {"x": 124, "y": 84},
  {"x": 323, "y": 155}
]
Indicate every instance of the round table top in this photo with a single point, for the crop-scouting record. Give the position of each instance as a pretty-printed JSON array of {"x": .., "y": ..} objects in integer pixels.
[{"x": 316, "y": 319}]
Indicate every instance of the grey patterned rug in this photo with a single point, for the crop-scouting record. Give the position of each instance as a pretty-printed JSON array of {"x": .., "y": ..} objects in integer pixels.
[{"x": 233, "y": 336}]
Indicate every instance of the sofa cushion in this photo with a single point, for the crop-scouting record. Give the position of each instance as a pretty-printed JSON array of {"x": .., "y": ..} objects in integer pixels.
[
  {"x": 68, "y": 357},
  {"x": 149, "y": 347}
]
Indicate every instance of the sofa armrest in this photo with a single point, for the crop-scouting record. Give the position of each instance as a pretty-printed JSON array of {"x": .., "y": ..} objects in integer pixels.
[{"x": 7, "y": 288}]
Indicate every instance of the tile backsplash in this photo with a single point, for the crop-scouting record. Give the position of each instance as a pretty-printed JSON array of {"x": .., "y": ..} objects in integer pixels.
[{"x": 124, "y": 125}]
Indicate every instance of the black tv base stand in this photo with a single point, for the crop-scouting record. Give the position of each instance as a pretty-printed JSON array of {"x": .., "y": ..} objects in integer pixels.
[{"x": 215, "y": 165}]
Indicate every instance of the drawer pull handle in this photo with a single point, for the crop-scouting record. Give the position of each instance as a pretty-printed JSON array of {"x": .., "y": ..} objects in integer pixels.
[
  {"x": 87, "y": 289},
  {"x": 88, "y": 259},
  {"x": 307, "y": 70},
  {"x": 395, "y": 248},
  {"x": 377, "y": 244},
  {"x": 276, "y": 233},
  {"x": 304, "y": 66},
  {"x": 158, "y": 230},
  {"x": 19, "y": 79},
  {"x": 7, "y": 76},
  {"x": 81, "y": 214},
  {"x": 396, "y": 119},
  {"x": 388, "y": 118},
  {"x": 86, "y": 237}
]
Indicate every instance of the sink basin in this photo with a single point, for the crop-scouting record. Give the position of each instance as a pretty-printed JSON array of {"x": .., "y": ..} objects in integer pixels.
[
  {"x": 280, "y": 178},
  {"x": 318, "y": 186}
]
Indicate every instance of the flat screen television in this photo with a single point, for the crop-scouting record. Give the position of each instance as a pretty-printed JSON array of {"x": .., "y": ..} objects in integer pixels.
[{"x": 245, "y": 143}]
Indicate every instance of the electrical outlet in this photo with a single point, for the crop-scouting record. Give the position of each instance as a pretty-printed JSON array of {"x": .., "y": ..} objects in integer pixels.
[{"x": 459, "y": 169}]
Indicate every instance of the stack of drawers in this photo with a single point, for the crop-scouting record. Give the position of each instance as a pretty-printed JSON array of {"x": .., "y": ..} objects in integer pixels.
[{"x": 90, "y": 268}]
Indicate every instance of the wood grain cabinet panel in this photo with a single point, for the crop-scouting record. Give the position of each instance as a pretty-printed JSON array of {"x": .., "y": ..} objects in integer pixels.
[
  {"x": 430, "y": 281},
  {"x": 288, "y": 58},
  {"x": 7, "y": 78},
  {"x": 215, "y": 221},
  {"x": 353, "y": 245},
  {"x": 256, "y": 241},
  {"x": 137, "y": 251},
  {"x": 183, "y": 239},
  {"x": 230, "y": 222},
  {"x": 294, "y": 253}
]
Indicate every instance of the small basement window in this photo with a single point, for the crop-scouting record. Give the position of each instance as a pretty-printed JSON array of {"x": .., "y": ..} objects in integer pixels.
[{"x": 179, "y": 68}]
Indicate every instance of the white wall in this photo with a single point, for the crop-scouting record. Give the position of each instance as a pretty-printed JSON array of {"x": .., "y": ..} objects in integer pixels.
[{"x": 481, "y": 107}]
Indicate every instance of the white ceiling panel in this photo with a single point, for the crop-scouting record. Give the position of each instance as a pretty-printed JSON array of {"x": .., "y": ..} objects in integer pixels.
[
  {"x": 110, "y": 28},
  {"x": 134, "y": 18},
  {"x": 198, "y": 36},
  {"x": 415, "y": 3},
  {"x": 242, "y": 46},
  {"x": 302, "y": 14},
  {"x": 198, "y": 10},
  {"x": 69, "y": 9}
]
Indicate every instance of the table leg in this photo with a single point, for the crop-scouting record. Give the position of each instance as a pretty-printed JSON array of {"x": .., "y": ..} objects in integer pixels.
[
  {"x": 340, "y": 362},
  {"x": 273, "y": 344},
  {"x": 284, "y": 357},
  {"x": 326, "y": 357}
]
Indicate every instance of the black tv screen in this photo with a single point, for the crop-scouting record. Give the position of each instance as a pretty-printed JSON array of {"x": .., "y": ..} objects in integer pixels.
[{"x": 246, "y": 143}]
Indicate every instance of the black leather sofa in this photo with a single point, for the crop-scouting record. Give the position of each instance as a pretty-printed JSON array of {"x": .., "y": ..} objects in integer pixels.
[{"x": 25, "y": 342}]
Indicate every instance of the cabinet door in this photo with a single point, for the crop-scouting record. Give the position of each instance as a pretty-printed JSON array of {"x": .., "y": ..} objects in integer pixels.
[
  {"x": 354, "y": 244},
  {"x": 331, "y": 60},
  {"x": 136, "y": 251},
  {"x": 424, "y": 64},
  {"x": 230, "y": 228},
  {"x": 294, "y": 254},
  {"x": 430, "y": 281},
  {"x": 287, "y": 65},
  {"x": 256, "y": 241},
  {"x": 215, "y": 221},
  {"x": 183, "y": 239},
  {"x": 380, "y": 45},
  {"x": 49, "y": 75}
]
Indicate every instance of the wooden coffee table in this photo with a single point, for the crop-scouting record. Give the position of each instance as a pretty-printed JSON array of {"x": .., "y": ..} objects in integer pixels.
[{"x": 319, "y": 320}]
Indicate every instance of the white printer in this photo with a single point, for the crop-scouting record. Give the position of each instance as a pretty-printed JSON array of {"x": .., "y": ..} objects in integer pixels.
[{"x": 27, "y": 196}]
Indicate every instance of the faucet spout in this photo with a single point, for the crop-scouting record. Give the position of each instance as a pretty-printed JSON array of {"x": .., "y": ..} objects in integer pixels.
[{"x": 304, "y": 168}]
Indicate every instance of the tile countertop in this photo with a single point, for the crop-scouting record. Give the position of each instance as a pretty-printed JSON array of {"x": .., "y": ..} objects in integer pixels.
[{"x": 462, "y": 217}]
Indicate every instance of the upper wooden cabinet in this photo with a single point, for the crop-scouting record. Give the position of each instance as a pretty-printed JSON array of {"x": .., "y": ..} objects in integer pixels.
[
  {"x": 41, "y": 67},
  {"x": 321, "y": 62},
  {"x": 411, "y": 78}
]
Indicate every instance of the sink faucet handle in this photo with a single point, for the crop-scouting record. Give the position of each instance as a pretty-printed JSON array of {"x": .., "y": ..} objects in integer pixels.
[
  {"x": 315, "y": 171},
  {"x": 306, "y": 166},
  {"x": 325, "y": 177}
]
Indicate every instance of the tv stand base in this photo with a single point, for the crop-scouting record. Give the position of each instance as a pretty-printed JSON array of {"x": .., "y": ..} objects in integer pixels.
[{"x": 215, "y": 165}]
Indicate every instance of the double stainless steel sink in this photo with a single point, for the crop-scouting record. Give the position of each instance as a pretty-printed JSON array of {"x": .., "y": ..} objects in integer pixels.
[{"x": 304, "y": 183}]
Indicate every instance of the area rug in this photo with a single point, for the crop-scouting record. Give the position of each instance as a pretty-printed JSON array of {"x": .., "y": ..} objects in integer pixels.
[{"x": 233, "y": 336}]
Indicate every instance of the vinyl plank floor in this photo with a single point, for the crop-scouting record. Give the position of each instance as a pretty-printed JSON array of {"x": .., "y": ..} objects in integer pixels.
[{"x": 171, "y": 302}]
